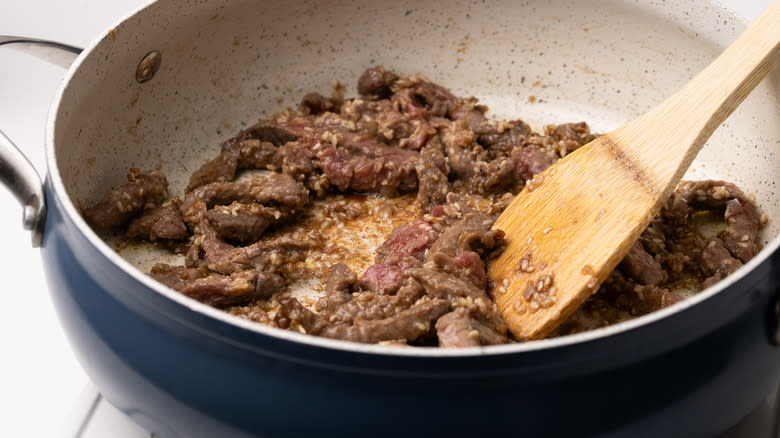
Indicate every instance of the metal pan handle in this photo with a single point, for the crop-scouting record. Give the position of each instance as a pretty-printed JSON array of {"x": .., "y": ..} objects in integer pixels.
[{"x": 16, "y": 171}]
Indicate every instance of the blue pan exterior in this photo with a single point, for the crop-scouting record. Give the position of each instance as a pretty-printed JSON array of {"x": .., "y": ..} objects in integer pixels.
[{"x": 179, "y": 373}]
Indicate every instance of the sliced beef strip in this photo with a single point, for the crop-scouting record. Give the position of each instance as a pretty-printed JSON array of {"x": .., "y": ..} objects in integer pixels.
[
  {"x": 467, "y": 266},
  {"x": 457, "y": 330},
  {"x": 256, "y": 154},
  {"x": 367, "y": 305},
  {"x": 470, "y": 233},
  {"x": 409, "y": 240},
  {"x": 220, "y": 169},
  {"x": 422, "y": 99},
  {"x": 742, "y": 221},
  {"x": 423, "y": 131},
  {"x": 383, "y": 278},
  {"x": 316, "y": 103},
  {"x": 277, "y": 190},
  {"x": 503, "y": 137},
  {"x": 274, "y": 132},
  {"x": 347, "y": 171},
  {"x": 570, "y": 136},
  {"x": 265, "y": 255},
  {"x": 636, "y": 299},
  {"x": 339, "y": 286},
  {"x": 460, "y": 294},
  {"x": 393, "y": 125},
  {"x": 717, "y": 262},
  {"x": 409, "y": 324},
  {"x": 236, "y": 155},
  {"x": 161, "y": 222},
  {"x": 432, "y": 168},
  {"x": 126, "y": 201},
  {"x": 459, "y": 148},
  {"x": 242, "y": 222},
  {"x": 471, "y": 115},
  {"x": 257, "y": 147},
  {"x": 531, "y": 160},
  {"x": 298, "y": 162},
  {"x": 176, "y": 277},
  {"x": 459, "y": 248},
  {"x": 495, "y": 176},
  {"x": 641, "y": 266},
  {"x": 742, "y": 225},
  {"x": 454, "y": 330},
  {"x": 212, "y": 289},
  {"x": 222, "y": 290},
  {"x": 267, "y": 284},
  {"x": 433, "y": 184},
  {"x": 376, "y": 83}
]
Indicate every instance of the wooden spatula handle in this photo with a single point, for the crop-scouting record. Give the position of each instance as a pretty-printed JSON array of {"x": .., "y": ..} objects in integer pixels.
[
  {"x": 585, "y": 212},
  {"x": 688, "y": 118}
]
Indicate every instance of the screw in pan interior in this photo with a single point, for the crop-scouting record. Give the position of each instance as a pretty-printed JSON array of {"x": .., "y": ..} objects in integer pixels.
[{"x": 148, "y": 66}]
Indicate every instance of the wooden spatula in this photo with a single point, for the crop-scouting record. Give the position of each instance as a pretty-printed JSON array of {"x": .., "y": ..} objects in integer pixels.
[{"x": 573, "y": 223}]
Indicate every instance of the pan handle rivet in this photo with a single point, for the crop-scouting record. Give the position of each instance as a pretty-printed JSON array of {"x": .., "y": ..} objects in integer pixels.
[{"x": 148, "y": 66}]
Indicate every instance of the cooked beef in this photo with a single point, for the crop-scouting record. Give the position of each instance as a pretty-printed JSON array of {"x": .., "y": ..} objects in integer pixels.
[
  {"x": 432, "y": 168},
  {"x": 176, "y": 277},
  {"x": 421, "y": 99},
  {"x": 409, "y": 324},
  {"x": 128, "y": 200},
  {"x": 267, "y": 284},
  {"x": 273, "y": 132},
  {"x": 717, "y": 262},
  {"x": 531, "y": 160},
  {"x": 220, "y": 169},
  {"x": 410, "y": 240},
  {"x": 236, "y": 155},
  {"x": 383, "y": 278},
  {"x": 460, "y": 294},
  {"x": 222, "y": 290},
  {"x": 367, "y": 305},
  {"x": 635, "y": 298},
  {"x": 341, "y": 280},
  {"x": 641, "y": 266},
  {"x": 672, "y": 254},
  {"x": 376, "y": 83},
  {"x": 570, "y": 136},
  {"x": 161, "y": 222},
  {"x": 339, "y": 286},
  {"x": 277, "y": 190},
  {"x": 504, "y": 136},
  {"x": 247, "y": 248},
  {"x": 213, "y": 289},
  {"x": 316, "y": 103},
  {"x": 742, "y": 225},
  {"x": 456, "y": 329},
  {"x": 460, "y": 247},
  {"x": 266, "y": 255},
  {"x": 240, "y": 222},
  {"x": 470, "y": 233},
  {"x": 379, "y": 170}
]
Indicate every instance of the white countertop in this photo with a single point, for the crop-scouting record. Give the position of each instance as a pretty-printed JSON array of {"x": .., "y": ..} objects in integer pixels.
[
  {"x": 43, "y": 391},
  {"x": 41, "y": 384}
]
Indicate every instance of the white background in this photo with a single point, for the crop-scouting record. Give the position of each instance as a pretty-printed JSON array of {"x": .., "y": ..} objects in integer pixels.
[{"x": 40, "y": 380}]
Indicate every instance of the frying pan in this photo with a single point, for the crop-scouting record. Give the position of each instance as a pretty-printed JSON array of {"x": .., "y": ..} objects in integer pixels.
[{"x": 181, "y": 369}]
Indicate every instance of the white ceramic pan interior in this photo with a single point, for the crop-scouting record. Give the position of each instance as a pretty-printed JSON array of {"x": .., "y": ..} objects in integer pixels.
[{"x": 227, "y": 64}]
